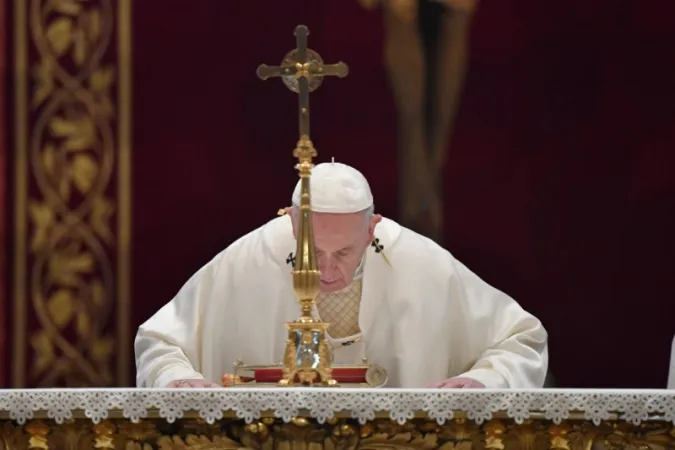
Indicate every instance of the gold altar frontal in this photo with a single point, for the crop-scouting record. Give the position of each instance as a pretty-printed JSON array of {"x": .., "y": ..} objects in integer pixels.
[
  {"x": 340, "y": 433},
  {"x": 336, "y": 419}
]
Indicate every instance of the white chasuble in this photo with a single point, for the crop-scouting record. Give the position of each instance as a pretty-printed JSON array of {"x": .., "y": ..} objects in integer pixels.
[{"x": 423, "y": 316}]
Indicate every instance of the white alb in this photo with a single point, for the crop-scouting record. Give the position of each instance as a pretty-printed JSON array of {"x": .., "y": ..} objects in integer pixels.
[
  {"x": 634, "y": 406},
  {"x": 424, "y": 315}
]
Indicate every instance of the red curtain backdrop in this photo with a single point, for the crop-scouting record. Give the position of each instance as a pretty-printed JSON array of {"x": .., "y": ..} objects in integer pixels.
[
  {"x": 559, "y": 182},
  {"x": 4, "y": 217}
]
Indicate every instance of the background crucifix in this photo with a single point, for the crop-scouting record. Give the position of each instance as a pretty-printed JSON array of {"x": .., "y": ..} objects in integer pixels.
[{"x": 426, "y": 55}]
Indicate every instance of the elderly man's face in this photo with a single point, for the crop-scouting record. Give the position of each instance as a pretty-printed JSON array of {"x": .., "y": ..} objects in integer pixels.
[{"x": 341, "y": 240}]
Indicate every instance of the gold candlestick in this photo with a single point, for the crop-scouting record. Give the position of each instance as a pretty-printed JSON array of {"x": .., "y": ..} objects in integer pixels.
[{"x": 307, "y": 359}]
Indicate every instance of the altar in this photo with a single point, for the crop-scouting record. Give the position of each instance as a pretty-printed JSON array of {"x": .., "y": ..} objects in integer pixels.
[
  {"x": 309, "y": 402},
  {"x": 336, "y": 419}
]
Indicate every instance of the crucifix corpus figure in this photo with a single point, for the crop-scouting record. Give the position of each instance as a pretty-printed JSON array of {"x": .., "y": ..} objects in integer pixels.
[
  {"x": 426, "y": 51},
  {"x": 389, "y": 296}
]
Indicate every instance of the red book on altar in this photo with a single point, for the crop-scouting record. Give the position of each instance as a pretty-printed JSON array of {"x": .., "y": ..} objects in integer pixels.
[{"x": 365, "y": 375}]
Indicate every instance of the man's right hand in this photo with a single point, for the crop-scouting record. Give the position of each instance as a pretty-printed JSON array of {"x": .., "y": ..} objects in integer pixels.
[{"x": 193, "y": 383}]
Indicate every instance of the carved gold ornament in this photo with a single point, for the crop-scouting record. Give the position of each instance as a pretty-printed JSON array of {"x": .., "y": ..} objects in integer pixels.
[
  {"x": 72, "y": 139},
  {"x": 343, "y": 434}
]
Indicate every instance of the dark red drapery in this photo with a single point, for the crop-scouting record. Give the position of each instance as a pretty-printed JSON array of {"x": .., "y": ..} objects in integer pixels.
[{"x": 559, "y": 182}]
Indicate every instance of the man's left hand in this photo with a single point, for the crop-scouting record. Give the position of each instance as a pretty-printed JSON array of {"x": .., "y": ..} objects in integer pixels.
[{"x": 457, "y": 383}]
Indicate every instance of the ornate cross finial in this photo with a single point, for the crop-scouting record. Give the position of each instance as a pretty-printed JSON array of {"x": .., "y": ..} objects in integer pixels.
[{"x": 302, "y": 70}]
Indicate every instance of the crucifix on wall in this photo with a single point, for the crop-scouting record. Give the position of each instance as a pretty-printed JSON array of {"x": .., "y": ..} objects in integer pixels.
[{"x": 427, "y": 77}]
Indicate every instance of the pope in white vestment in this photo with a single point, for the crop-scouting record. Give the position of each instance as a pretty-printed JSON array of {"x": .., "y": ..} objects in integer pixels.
[{"x": 390, "y": 295}]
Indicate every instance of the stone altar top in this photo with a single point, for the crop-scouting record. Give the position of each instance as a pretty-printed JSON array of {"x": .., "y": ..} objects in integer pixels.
[{"x": 323, "y": 404}]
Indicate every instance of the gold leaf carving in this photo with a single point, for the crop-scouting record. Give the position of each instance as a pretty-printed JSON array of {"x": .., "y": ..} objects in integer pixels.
[
  {"x": 44, "y": 351},
  {"x": 141, "y": 431},
  {"x": 171, "y": 443},
  {"x": 494, "y": 435},
  {"x": 530, "y": 435},
  {"x": 37, "y": 432},
  {"x": 11, "y": 437},
  {"x": 400, "y": 440},
  {"x": 79, "y": 47},
  {"x": 43, "y": 219},
  {"x": 137, "y": 446},
  {"x": 80, "y": 262},
  {"x": 82, "y": 324},
  {"x": 460, "y": 429},
  {"x": 101, "y": 212},
  {"x": 461, "y": 445},
  {"x": 48, "y": 158},
  {"x": 64, "y": 188},
  {"x": 44, "y": 82},
  {"x": 62, "y": 128},
  {"x": 101, "y": 81},
  {"x": 202, "y": 427},
  {"x": 70, "y": 435},
  {"x": 234, "y": 434},
  {"x": 80, "y": 134},
  {"x": 97, "y": 293},
  {"x": 59, "y": 34},
  {"x": 94, "y": 25},
  {"x": 104, "y": 435},
  {"x": 61, "y": 307},
  {"x": 102, "y": 348},
  {"x": 193, "y": 442},
  {"x": 84, "y": 172},
  {"x": 68, "y": 266},
  {"x": 624, "y": 436},
  {"x": 70, "y": 7}
]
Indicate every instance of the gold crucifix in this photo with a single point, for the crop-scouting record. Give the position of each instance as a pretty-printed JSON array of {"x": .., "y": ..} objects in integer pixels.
[{"x": 302, "y": 71}]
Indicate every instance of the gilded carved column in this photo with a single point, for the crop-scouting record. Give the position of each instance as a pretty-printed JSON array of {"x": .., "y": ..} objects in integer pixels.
[{"x": 72, "y": 193}]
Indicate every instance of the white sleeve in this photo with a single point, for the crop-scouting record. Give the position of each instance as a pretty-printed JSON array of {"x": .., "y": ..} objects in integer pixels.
[
  {"x": 513, "y": 343},
  {"x": 168, "y": 345}
]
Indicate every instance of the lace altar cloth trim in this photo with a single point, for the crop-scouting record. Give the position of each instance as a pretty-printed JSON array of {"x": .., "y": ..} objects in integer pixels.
[{"x": 322, "y": 403}]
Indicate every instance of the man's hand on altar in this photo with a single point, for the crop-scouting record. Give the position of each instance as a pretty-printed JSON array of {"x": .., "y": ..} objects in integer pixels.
[
  {"x": 457, "y": 383},
  {"x": 193, "y": 383}
]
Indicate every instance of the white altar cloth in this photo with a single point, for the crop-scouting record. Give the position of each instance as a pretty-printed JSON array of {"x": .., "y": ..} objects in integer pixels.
[{"x": 634, "y": 406}]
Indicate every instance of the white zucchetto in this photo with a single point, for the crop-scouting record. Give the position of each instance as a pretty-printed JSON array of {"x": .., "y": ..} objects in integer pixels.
[{"x": 337, "y": 188}]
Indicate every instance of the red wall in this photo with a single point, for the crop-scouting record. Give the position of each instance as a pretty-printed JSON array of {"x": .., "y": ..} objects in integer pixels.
[{"x": 559, "y": 182}]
